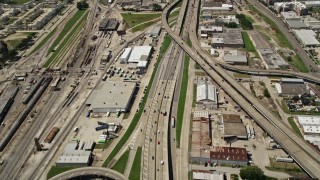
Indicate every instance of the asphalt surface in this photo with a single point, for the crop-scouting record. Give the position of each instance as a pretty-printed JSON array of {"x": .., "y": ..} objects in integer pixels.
[
  {"x": 86, "y": 171},
  {"x": 299, "y": 150}
]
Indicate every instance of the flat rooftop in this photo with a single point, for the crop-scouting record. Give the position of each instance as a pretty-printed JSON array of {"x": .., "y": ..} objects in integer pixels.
[
  {"x": 231, "y": 118},
  {"x": 307, "y": 37},
  {"x": 112, "y": 94},
  {"x": 235, "y": 129}
]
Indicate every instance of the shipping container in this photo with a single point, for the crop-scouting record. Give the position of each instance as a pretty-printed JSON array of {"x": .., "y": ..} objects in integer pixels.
[{"x": 54, "y": 131}]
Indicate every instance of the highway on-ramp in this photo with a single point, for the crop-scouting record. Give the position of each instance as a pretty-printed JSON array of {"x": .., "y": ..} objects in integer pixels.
[
  {"x": 298, "y": 149},
  {"x": 90, "y": 171}
]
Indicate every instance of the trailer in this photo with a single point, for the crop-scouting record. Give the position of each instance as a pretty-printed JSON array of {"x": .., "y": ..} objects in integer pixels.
[
  {"x": 287, "y": 160},
  {"x": 172, "y": 122},
  {"x": 248, "y": 131},
  {"x": 105, "y": 77}
]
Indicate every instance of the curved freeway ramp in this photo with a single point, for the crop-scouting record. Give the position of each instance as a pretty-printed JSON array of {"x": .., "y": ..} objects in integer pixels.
[{"x": 90, "y": 171}]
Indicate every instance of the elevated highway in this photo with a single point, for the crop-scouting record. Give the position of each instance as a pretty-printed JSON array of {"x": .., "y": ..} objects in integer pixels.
[
  {"x": 298, "y": 149},
  {"x": 90, "y": 171},
  {"x": 260, "y": 72}
]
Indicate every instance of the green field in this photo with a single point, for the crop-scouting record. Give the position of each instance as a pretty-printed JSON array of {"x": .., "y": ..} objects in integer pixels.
[
  {"x": 55, "y": 170},
  {"x": 136, "y": 166},
  {"x": 182, "y": 98},
  {"x": 135, "y": 19},
  {"x": 141, "y": 27},
  {"x": 66, "y": 41},
  {"x": 136, "y": 118},
  {"x": 174, "y": 13},
  {"x": 298, "y": 63},
  {"x": 294, "y": 126},
  {"x": 239, "y": 75},
  {"x": 121, "y": 164},
  {"x": 21, "y": 1},
  {"x": 44, "y": 41},
  {"x": 248, "y": 43},
  {"x": 68, "y": 26}
]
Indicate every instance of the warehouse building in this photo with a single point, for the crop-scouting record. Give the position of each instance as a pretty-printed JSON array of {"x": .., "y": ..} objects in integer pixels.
[
  {"x": 201, "y": 140},
  {"x": 290, "y": 15},
  {"x": 109, "y": 25},
  {"x": 112, "y": 97},
  {"x": 296, "y": 24},
  {"x": 235, "y": 57},
  {"x": 229, "y": 156},
  {"x": 75, "y": 155},
  {"x": 206, "y": 93},
  {"x": 272, "y": 60},
  {"x": 307, "y": 38},
  {"x": 125, "y": 55},
  {"x": 210, "y": 30},
  {"x": 312, "y": 23},
  {"x": 139, "y": 58},
  {"x": 207, "y": 175},
  {"x": 310, "y": 126},
  {"x": 233, "y": 127},
  {"x": 231, "y": 37},
  {"x": 154, "y": 32},
  {"x": 292, "y": 87}
]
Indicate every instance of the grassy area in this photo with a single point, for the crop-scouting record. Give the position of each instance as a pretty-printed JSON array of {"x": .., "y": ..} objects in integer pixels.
[
  {"x": 294, "y": 126},
  {"x": 239, "y": 75},
  {"x": 21, "y": 1},
  {"x": 194, "y": 99},
  {"x": 298, "y": 63},
  {"x": 55, "y": 170},
  {"x": 103, "y": 146},
  {"x": 174, "y": 13},
  {"x": 121, "y": 164},
  {"x": 234, "y": 177},
  {"x": 136, "y": 166},
  {"x": 182, "y": 98},
  {"x": 143, "y": 26},
  {"x": 282, "y": 166},
  {"x": 66, "y": 40},
  {"x": 44, "y": 41},
  {"x": 248, "y": 43},
  {"x": 67, "y": 27},
  {"x": 136, "y": 118},
  {"x": 190, "y": 175},
  {"x": 135, "y": 19}
]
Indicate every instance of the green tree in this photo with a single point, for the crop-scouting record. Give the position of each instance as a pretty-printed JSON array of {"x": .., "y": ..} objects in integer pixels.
[
  {"x": 231, "y": 25},
  {"x": 296, "y": 98},
  {"x": 82, "y": 5},
  {"x": 251, "y": 172},
  {"x": 156, "y": 7}
]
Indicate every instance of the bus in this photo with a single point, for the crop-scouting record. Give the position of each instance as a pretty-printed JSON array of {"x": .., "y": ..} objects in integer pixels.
[{"x": 173, "y": 122}]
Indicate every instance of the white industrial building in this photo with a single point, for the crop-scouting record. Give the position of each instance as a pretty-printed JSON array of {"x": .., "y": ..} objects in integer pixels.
[
  {"x": 113, "y": 96},
  {"x": 306, "y": 37},
  {"x": 139, "y": 58},
  {"x": 309, "y": 124},
  {"x": 311, "y": 128},
  {"x": 125, "y": 55},
  {"x": 75, "y": 155},
  {"x": 209, "y": 30},
  {"x": 235, "y": 57},
  {"x": 207, "y": 175},
  {"x": 290, "y": 15},
  {"x": 206, "y": 93}
]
